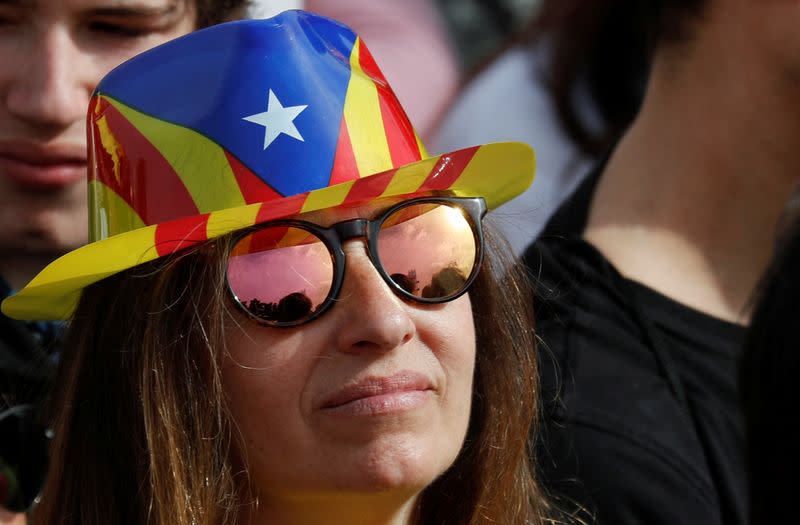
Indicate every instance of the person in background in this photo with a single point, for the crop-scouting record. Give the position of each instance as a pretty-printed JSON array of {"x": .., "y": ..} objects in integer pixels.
[
  {"x": 509, "y": 98},
  {"x": 239, "y": 350},
  {"x": 769, "y": 369},
  {"x": 53, "y": 53},
  {"x": 645, "y": 272}
]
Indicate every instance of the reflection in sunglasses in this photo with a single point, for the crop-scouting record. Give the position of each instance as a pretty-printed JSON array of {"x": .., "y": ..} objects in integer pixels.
[
  {"x": 292, "y": 307},
  {"x": 406, "y": 281},
  {"x": 433, "y": 242},
  {"x": 445, "y": 282},
  {"x": 287, "y": 273}
]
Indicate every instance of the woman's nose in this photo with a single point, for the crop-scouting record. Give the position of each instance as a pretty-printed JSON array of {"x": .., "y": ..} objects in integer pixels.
[
  {"x": 51, "y": 85},
  {"x": 373, "y": 318}
]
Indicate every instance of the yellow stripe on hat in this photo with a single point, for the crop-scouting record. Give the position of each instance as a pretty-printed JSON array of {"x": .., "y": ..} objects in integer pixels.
[
  {"x": 226, "y": 221},
  {"x": 114, "y": 214},
  {"x": 109, "y": 143},
  {"x": 193, "y": 157},
  {"x": 54, "y": 293},
  {"x": 327, "y": 197},
  {"x": 515, "y": 158},
  {"x": 362, "y": 116},
  {"x": 409, "y": 178},
  {"x": 422, "y": 151}
]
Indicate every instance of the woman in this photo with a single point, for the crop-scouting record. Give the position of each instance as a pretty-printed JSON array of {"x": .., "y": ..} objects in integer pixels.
[{"x": 285, "y": 329}]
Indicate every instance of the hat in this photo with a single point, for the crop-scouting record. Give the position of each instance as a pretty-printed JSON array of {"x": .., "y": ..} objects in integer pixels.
[{"x": 242, "y": 123}]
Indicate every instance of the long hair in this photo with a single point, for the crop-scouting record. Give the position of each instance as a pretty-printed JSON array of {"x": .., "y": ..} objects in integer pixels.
[
  {"x": 143, "y": 434},
  {"x": 210, "y": 12}
]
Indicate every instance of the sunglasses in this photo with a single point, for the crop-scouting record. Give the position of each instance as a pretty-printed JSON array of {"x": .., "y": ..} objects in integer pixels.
[
  {"x": 23, "y": 458},
  {"x": 288, "y": 272}
]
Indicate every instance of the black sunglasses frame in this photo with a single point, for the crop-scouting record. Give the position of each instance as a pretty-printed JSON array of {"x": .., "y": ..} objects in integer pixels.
[{"x": 335, "y": 235}]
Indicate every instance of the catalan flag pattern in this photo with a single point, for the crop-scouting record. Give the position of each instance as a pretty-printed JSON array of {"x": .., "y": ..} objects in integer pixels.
[
  {"x": 243, "y": 123},
  {"x": 200, "y": 142}
]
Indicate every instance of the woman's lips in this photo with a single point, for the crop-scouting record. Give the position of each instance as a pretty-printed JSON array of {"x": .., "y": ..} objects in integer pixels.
[
  {"x": 36, "y": 167},
  {"x": 380, "y": 395}
]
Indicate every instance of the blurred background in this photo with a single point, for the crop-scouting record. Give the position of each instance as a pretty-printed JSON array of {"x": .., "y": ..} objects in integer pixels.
[{"x": 479, "y": 28}]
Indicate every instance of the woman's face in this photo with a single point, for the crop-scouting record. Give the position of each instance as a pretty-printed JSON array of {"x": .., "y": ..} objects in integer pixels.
[{"x": 373, "y": 396}]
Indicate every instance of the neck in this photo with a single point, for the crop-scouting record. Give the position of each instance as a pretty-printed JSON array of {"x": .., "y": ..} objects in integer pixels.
[
  {"x": 690, "y": 201},
  {"x": 375, "y": 509}
]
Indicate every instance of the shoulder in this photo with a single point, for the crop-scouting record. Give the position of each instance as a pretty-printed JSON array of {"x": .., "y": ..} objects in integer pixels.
[
  {"x": 606, "y": 404},
  {"x": 593, "y": 353}
]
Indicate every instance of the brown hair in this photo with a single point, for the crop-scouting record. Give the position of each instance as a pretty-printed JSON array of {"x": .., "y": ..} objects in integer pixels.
[
  {"x": 601, "y": 50},
  {"x": 210, "y": 12},
  {"x": 143, "y": 435}
]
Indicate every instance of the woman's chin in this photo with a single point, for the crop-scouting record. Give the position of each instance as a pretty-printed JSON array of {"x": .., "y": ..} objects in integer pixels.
[
  {"x": 405, "y": 468},
  {"x": 399, "y": 464},
  {"x": 402, "y": 477}
]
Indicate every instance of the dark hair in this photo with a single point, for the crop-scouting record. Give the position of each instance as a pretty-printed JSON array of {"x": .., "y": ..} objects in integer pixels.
[
  {"x": 139, "y": 399},
  {"x": 769, "y": 371},
  {"x": 600, "y": 50},
  {"x": 210, "y": 12}
]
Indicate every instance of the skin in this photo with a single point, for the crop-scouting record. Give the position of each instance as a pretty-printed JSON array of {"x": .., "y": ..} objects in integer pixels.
[
  {"x": 53, "y": 53},
  {"x": 366, "y": 461},
  {"x": 691, "y": 199},
  {"x": 11, "y": 518}
]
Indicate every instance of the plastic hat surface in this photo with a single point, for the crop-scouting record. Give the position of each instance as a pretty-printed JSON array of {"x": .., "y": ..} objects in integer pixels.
[{"x": 242, "y": 123}]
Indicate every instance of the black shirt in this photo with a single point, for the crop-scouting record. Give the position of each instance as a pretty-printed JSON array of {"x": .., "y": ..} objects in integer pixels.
[
  {"x": 28, "y": 353},
  {"x": 642, "y": 418}
]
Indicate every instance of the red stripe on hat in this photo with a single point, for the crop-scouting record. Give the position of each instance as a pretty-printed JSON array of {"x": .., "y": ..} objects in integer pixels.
[
  {"x": 265, "y": 239},
  {"x": 344, "y": 162},
  {"x": 252, "y": 187},
  {"x": 135, "y": 155},
  {"x": 98, "y": 155},
  {"x": 180, "y": 234},
  {"x": 400, "y": 136},
  {"x": 281, "y": 208},
  {"x": 447, "y": 170},
  {"x": 367, "y": 188}
]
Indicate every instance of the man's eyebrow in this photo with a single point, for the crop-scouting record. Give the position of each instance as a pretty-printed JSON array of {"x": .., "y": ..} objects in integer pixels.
[
  {"x": 131, "y": 9},
  {"x": 135, "y": 10}
]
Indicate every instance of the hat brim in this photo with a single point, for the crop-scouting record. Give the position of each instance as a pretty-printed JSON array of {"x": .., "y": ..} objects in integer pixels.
[{"x": 497, "y": 172}]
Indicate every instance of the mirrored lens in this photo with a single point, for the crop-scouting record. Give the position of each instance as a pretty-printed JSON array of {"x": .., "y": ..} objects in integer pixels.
[
  {"x": 280, "y": 274},
  {"x": 428, "y": 249}
]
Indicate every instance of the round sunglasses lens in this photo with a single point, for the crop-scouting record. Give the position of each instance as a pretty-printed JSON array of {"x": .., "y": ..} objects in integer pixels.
[
  {"x": 428, "y": 249},
  {"x": 280, "y": 274}
]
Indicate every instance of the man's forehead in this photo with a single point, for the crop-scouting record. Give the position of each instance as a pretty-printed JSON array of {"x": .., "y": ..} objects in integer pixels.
[{"x": 143, "y": 5}]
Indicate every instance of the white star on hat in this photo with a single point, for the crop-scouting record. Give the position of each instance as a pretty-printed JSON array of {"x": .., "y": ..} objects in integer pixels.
[{"x": 277, "y": 119}]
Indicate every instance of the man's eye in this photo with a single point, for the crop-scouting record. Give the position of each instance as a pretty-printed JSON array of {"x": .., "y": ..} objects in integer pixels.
[
  {"x": 8, "y": 19},
  {"x": 121, "y": 30}
]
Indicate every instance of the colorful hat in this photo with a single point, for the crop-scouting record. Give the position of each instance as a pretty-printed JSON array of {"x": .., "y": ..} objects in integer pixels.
[{"x": 243, "y": 123}]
